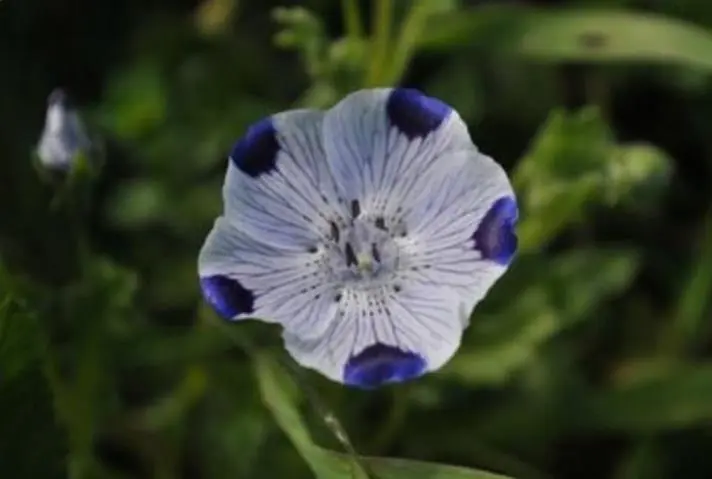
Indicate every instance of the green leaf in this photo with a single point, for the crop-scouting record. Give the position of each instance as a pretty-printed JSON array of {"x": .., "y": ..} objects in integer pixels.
[
  {"x": 565, "y": 291},
  {"x": 563, "y": 170},
  {"x": 637, "y": 171},
  {"x": 29, "y": 429},
  {"x": 573, "y": 162},
  {"x": 605, "y": 36},
  {"x": 687, "y": 328},
  {"x": 278, "y": 391},
  {"x": 279, "y": 394},
  {"x": 573, "y": 35},
  {"x": 136, "y": 103},
  {"x": 19, "y": 340},
  {"x": 489, "y": 25},
  {"x": 674, "y": 398}
]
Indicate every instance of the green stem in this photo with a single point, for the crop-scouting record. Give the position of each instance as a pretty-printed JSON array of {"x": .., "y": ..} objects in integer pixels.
[
  {"x": 352, "y": 19},
  {"x": 405, "y": 45},
  {"x": 398, "y": 413},
  {"x": 689, "y": 315},
  {"x": 380, "y": 43}
]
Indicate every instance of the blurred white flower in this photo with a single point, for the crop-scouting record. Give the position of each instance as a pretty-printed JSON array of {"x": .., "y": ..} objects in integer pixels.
[{"x": 64, "y": 138}]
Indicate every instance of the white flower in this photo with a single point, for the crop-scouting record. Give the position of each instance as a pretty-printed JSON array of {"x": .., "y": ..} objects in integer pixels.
[
  {"x": 369, "y": 232},
  {"x": 64, "y": 137}
]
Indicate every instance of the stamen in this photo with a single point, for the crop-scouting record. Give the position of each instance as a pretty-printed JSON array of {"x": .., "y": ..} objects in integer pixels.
[
  {"x": 355, "y": 208},
  {"x": 334, "y": 232},
  {"x": 350, "y": 256},
  {"x": 374, "y": 252}
]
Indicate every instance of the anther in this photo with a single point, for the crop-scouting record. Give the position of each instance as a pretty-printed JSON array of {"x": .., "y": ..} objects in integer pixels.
[{"x": 350, "y": 255}]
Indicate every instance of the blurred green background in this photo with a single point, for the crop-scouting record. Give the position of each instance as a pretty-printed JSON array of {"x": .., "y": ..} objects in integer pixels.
[{"x": 589, "y": 359}]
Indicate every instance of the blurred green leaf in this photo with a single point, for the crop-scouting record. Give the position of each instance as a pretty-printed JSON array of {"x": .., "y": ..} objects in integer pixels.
[
  {"x": 605, "y": 36},
  {"x": 488, "y": 24},
  {"x": 637, "y": 171},
  {"x": 566, "y": 289},
  {"x": 136, "y": 102},
  {"x": 674, "y": 398},
  {"x": 574, "y": 35},
  {"x": 213, "y": 16},
  {"x": 20, "y": 344},
  {"x": 29, "y": 429},
  {"x": 687, "y": 328},
  {"x": 275, "y": 386},
  {"x": 562, "y": 171},
  {"x": 574, "y": 162}
]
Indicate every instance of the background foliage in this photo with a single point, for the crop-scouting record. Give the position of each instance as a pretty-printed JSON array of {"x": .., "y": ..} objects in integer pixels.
[{"x": 589, "y": 359}]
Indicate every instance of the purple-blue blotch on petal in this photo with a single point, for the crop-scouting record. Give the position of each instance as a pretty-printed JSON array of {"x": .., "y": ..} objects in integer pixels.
[
  {"x": 227, "y": 296},
  {"x": 256, "y": 152},
  {"x": 380, "y": 364},
  {"x": 495, "y": 237},
  {"x": 414, "y": 113}
]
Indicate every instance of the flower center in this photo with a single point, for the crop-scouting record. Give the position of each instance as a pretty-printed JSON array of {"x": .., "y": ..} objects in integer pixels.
[{"x": 362, "y": 253}]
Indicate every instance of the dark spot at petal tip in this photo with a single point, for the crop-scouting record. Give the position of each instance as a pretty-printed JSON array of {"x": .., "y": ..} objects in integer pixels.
[
  {"x": 414, "y": 113},
  {"x": 256, "y": 152},
  {"x": 380, "y": 364},
  {"x": 495, "y": 238},
  {"x": 227, "y": 296}
]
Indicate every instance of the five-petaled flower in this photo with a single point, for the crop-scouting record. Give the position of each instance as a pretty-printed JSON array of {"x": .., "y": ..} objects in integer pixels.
[
  {"x": 369, "y": 232},
  {"x": 64, "y": 138}
]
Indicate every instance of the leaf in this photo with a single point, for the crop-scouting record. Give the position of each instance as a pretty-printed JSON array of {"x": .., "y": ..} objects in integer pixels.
[
  {"x": 565, "y": 292},
  {"x": 675, "y": 398},
  {"x": 19, "y": 340},
  {"x": 136, "y": 103},
  {"x": 487, "y": 24},
  {"x": 273, "y": 382},
  {"x": 605, "y": 36},
  {"x": 640, "y": 167},
  {"x": 690, "y": 316},
  {"x": 573, "y": 35},
  {"x": 573, "y": 162},
  {"x": 565, "y": 168},
  {"x": 213, "y": 16},
  {"x": 278, "y": 393},
  {"x": 29, "y": 429}
]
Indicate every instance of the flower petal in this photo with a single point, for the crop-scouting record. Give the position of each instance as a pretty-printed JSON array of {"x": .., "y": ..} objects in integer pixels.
[
  {"x": 384, "y": 336},
  {"x": 244, "y": 278},
  {"x": 460, "y": 227},
  {"x": 379, "y": 142},
  {"x": 64, "y": 136},
  {"x": 278, "y": 185}
]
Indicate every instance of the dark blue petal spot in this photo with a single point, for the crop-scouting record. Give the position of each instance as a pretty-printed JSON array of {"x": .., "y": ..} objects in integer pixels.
[
  {"x": 495, "y": 238},
  {"x": 256, "y": 152},
  {"x": 380, "y": 364},
  {"x": 414, "y": 113},
  {"x": 227, "y": 296}
]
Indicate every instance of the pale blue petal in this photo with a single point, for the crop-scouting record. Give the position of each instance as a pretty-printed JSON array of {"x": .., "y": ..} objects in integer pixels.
[
  {"x": 64, "y": 136},
  {"x": 380, "y": 142},
  {"x": 244, "y": 278},
  {"x": 278, "y": 187},
  {"x": 461, "y": 227},
  {"x": 384, "y": 337}
]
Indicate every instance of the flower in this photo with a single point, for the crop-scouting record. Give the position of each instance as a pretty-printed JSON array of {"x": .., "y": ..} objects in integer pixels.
[
  {"x": 369, "y": 232},
  {"x": 64, "y": 138}
]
